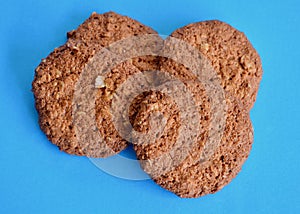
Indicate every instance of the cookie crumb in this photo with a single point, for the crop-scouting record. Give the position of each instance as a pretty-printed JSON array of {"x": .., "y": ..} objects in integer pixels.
[
  {"x": 99, "y": 82},
  {"x": 206, "y": 46}
]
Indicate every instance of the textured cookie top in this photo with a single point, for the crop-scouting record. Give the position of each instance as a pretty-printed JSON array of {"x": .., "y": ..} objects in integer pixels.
[
  {"x": 151, "y": 154},
  {"x": 230, "y": 53},
  {"x": 193, "y": 177},
  {"x": 104, "y": 29},
  {"x": 57, "y": 75},
  {"x": 208, "y": 177},
  {"x": 152, "y": 103}
]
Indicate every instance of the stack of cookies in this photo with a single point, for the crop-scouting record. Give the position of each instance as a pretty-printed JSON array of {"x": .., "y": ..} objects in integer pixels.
[{"x": 197, "y": 88}]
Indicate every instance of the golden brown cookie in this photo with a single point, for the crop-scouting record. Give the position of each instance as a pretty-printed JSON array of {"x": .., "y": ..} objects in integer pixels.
[
  {"x": 194, "y": 177},
  {"x": 230, "y": 53},
  {"x": 56, "y": 77}
]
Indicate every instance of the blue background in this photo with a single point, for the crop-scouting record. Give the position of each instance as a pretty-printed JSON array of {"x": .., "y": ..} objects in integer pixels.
[{"x": 35, "y": 177}]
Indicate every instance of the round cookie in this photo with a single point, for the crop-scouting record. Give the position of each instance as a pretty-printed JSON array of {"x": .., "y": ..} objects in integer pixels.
[
  {"x": 193, "y": 178},
  {"x": 56, "y": 76},
  {"x": 230, "y": 53}
]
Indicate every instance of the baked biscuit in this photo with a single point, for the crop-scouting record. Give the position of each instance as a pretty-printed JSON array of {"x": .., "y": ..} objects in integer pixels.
[
  {"x": 230, "y": 53},
  {"x": 56, "y": 77}
]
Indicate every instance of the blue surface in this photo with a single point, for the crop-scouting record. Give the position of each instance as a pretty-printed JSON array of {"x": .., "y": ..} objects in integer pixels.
[{"x": 36, "y": 178}]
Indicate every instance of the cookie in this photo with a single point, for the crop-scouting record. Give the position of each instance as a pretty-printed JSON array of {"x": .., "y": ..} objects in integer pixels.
[
  {"x": 57, "y": 75},
  {"x": 193, "y": 177},
  {"x": 230, "y": 53}
]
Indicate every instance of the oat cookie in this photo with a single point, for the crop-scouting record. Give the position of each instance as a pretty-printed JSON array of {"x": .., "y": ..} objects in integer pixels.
[
  {"x": 193, "y": 178},
  {"x": 57, "y": 74},
  {"x": 230, "y": 53}
]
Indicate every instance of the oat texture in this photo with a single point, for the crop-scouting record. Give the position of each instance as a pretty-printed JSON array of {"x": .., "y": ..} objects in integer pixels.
[
  {"x": 230, "y": 53},
  {"x": 56, "y": 76}
]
